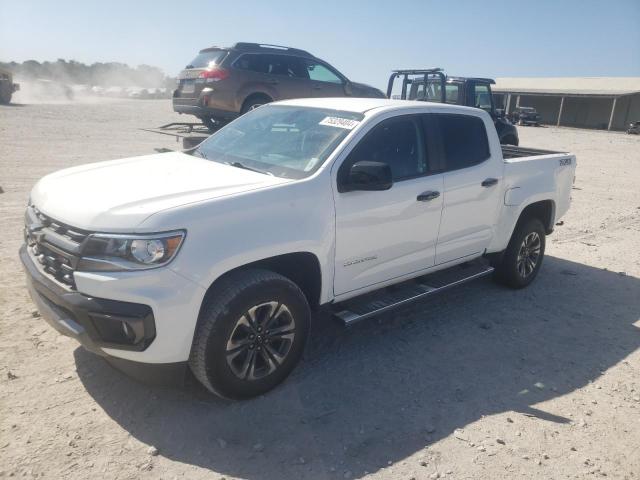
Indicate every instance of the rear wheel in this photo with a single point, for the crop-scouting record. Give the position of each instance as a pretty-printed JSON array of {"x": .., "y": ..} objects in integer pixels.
[
  {"x": 250, "y": 335},
  {"x": 523, "y": 257},
  {"x": 253, "y": 102}
]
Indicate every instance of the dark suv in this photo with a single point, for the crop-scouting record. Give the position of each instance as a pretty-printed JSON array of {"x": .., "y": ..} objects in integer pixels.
[{"x": 222, "y": 83}]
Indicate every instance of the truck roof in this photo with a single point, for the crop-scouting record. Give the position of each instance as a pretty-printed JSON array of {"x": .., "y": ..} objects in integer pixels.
[{"x": 362, "y": 105}]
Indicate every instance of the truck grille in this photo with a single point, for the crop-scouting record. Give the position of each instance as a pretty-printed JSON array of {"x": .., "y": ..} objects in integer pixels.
[{"x": 54, "y": 245}]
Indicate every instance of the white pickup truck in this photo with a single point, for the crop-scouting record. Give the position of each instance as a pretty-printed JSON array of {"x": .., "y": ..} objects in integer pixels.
[{"x": 213, "y": 258}]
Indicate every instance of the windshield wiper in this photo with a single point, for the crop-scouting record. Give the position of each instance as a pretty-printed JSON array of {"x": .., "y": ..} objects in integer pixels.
[{"x": 242, "y": 165}]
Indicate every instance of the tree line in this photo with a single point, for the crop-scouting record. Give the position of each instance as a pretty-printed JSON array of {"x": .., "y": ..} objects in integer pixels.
[{"x": 100, "y": 74}]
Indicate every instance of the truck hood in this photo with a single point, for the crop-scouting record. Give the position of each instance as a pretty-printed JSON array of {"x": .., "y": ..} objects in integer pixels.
[{"x": 116, "y": 196}]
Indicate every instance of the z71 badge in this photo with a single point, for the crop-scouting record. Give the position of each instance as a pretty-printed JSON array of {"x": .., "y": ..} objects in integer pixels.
[{"x": 565, "y": 161}]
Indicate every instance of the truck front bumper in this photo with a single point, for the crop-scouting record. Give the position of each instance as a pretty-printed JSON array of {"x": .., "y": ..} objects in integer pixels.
[{"x": 101, "y": 326}]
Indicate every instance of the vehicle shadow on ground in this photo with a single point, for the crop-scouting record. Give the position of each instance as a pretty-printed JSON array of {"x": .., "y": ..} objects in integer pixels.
[{"x": 385, "y": 389}]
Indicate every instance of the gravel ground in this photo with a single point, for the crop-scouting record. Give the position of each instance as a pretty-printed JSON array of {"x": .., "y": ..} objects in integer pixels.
[{"x": 481, "y": 382}]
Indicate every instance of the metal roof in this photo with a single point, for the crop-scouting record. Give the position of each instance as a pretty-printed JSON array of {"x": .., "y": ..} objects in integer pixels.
[{"x": 604, "y": 86}]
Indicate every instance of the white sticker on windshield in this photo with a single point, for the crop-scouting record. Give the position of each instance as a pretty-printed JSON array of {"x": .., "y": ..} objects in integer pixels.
[{"x": 345, "y": 123}]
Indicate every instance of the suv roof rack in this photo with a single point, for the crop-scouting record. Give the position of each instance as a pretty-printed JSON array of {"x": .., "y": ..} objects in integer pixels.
[{"x": 267, "y": 46}]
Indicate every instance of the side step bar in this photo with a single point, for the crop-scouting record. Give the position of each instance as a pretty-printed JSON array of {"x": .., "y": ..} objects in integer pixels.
[{"x": 385, "y": 299}]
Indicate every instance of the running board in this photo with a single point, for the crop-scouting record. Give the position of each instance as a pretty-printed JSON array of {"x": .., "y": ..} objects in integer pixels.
[{"x": 385, "y": 299}]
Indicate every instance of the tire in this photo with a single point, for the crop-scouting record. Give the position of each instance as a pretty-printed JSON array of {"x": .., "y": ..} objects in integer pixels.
[
  {"x": 523, "y": 257},
  {"x": 254, "y": 101},
  {"x": 234, "y": 354}
]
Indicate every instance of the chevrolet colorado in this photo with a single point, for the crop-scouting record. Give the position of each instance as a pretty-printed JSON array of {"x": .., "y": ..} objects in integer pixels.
[{"x": 213, "y": 258}]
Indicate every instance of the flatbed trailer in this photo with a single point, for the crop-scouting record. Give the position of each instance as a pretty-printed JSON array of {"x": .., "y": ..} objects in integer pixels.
[{"x": 191, "y": 133}]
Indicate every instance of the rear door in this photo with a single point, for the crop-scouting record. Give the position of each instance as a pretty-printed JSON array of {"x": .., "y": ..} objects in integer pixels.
[
  {"x": 286, "y": 75},
  {"x": 383, "y": 235},
  {"x": 472, "y": 191}
]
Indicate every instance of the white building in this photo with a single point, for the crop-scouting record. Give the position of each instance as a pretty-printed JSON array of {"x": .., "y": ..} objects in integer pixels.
[{"x": 609, "y": 103}]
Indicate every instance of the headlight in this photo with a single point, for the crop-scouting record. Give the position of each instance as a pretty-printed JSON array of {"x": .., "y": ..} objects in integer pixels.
[{"x": 105, "y": 252}]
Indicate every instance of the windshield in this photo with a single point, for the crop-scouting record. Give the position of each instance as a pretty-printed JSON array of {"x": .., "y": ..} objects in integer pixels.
[
  {"x": 207, "y": 58},
  {"x": 285, "y": 141}
]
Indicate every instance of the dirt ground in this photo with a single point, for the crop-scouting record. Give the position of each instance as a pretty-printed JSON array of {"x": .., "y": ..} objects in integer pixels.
[{"x": 479, "y": 383}]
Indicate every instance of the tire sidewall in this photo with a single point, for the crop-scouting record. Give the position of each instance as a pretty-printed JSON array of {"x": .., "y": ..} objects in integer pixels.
[
  {"x": 218, "y": 372},
  {"x": 509, "y": 268}
]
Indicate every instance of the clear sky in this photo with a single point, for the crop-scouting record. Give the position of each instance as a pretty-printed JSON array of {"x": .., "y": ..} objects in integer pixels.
[{"x": 363, "y": 39}]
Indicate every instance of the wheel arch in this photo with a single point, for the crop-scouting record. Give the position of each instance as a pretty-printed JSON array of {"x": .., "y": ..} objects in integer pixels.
[
  {"x": 302, "y": 268},
  {"x": 544, "y": 210},
  {"x": 253, "y": 94}
]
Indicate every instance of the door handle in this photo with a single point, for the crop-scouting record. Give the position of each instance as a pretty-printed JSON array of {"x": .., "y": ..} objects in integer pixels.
[
  {"x": 317, "y": 87},
  {"x": 489, "y": 182},
  {"x": 428, "y": 196}
]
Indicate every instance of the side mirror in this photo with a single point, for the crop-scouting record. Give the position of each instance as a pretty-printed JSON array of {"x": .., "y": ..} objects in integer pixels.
[
  {"x": 368, "y": 176},
  {"x": 348, "y": 90}
]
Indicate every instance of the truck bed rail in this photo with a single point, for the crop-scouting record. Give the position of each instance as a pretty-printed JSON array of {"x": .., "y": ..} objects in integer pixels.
[{"x": 510, "y": 151}]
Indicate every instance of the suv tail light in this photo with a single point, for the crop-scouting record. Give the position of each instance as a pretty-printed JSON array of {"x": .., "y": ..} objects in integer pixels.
[{"x": 214, "y": 74}]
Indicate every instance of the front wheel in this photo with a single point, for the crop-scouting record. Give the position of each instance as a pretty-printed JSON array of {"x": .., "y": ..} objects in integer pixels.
[
  {"x": 523, "y": 257},
  {"x": 250, "y": 335}
]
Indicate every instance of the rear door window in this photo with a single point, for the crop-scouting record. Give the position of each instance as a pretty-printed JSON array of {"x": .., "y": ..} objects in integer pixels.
[
  {"x": 251, "y": 62},
  {"x": 285, "y": 65},
  {"x": 463, "y": 139}
]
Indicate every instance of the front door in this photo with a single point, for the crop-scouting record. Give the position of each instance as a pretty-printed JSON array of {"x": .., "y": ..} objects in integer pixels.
[
  {"x": 324, "y": 81},
  {"x": 382, "y": 235}
]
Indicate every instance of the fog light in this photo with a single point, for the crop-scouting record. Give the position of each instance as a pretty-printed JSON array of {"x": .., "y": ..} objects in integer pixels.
[{"x": 118, "y": 330}]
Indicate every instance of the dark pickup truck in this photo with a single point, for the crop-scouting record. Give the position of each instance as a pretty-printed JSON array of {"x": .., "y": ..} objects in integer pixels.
[
  {"x": 432, "y": 85},
  {"x": 526, "y": 116}
]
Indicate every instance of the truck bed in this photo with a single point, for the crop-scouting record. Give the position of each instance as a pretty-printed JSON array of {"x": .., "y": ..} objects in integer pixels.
[{"x": 509, "y": 151}]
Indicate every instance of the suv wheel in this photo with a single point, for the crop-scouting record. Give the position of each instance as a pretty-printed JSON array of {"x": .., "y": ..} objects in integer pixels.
[
  {"x": 523, "y": 257},
  {"x": 254, "y": 101},
  {"x": 250, "y": 334}
]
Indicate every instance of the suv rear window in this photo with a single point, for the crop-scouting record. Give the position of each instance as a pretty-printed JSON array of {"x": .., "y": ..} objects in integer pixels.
[
  {"x": 207, "y": 58},
  {"x": 464, "y": 140}
]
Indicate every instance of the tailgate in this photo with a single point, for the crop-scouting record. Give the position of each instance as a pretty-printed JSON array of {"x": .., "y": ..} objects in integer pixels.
[{"x": 189, "y": 85}]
